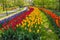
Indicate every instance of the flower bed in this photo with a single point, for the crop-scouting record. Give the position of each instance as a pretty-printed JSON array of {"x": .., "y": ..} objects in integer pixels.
[
  {"x": 6, "y": 19},
  {"x": 53, "y": 15},
  {"x": 31, "y": 25},
  {"x": 37, "y": 26},
  {"x": 14, "y": 20}
]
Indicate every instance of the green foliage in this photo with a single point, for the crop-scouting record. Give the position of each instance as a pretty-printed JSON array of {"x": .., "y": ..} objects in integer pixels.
[
  {"x": 50, "y": 4},
  {"x": 19, "y": 3},
  {"x": 19, "y": 34},
  {"x": 11, "y": 3}
]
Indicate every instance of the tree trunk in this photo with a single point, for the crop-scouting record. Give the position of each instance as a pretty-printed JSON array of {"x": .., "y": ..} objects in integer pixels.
[
  {"x": 3, "y": 3},
  {"x": 3, "y": 6},
  {"x": 59, "y": 5}
]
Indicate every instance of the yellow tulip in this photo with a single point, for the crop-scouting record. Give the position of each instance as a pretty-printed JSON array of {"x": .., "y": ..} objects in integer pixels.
[
  {"x": 38, "y": 22},
  {"x": 23, "y": 20},
  {"x": 30, "y": 30},
  {"x": 17, "y": 25},
  {"x": 32, "y": 19},
  {"x": 29, "y": 25},
  {"x": 26, "y": 17},
  {"x": 23, "y": 24},
  {"x": 38, "y": 31},
  {"x": 29, "y": 22}
]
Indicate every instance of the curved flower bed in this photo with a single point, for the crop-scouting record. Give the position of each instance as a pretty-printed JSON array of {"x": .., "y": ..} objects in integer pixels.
[
  {"x": 53, "y": 15},
  {"x": 54, "y": 19},
  {"x": 15, "y": 19},
  {"x": 11, "y": 17}
]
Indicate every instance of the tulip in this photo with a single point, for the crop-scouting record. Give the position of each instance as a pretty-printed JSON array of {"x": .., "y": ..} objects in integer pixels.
[
  {"x": 53, "y": 15},
  {"x": 38, "y": 31},
  {"x": 4, "y": 26}
]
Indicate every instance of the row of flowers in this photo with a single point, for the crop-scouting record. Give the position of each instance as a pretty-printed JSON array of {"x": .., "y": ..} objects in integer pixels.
[
  {"x": 53, "y": 15},
  {"x": 17, "y": 20},
  {"x": 11, "y": 17}
]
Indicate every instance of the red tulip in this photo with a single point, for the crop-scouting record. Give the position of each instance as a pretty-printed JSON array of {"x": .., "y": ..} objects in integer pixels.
[
  {"x": 12, "y": 23},
  {"x": 4, "y": 26},
  {"x": 53, "y": 15}
]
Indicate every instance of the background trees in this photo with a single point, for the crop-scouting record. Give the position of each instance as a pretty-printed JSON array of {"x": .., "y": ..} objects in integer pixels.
[
  {"x": 11, "y": 3},
  {"x": 19, "y": 3},
  {"x": 50, "y": 4}
]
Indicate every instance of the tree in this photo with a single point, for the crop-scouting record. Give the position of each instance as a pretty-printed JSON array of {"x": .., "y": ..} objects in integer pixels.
[
  {"x": 36, "y": 2},
  {"x": 59, "y": 5},
  {"x": 52, "y": 4},
  {"x": 19, "y": 2},
  {"x": 2, "y": 2}
]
